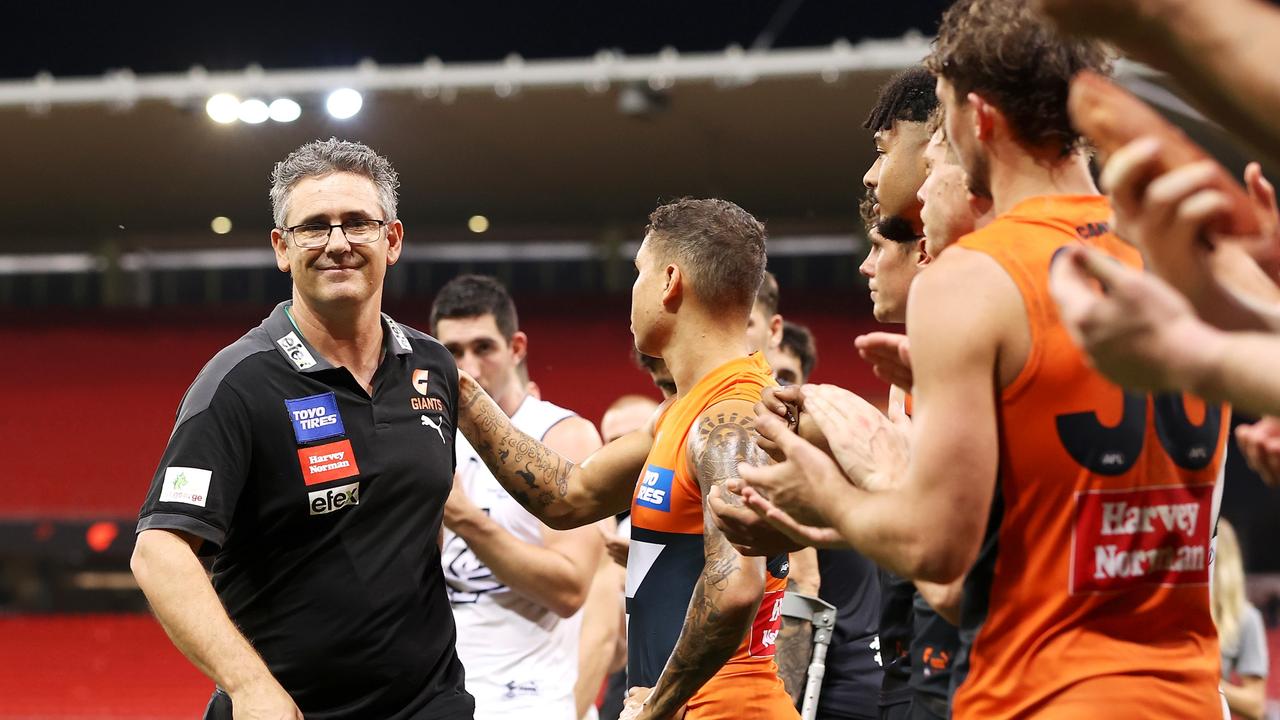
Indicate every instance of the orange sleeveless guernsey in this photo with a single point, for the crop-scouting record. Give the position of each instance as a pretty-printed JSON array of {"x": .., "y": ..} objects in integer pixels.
[
  {"x": 1090, "y": 595},
  {"x": 666, "y": 559}
]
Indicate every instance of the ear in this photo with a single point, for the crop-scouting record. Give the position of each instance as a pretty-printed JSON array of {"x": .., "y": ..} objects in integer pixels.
[
  {"x": 983, "y": 116},
  {"x": 673, "y": 289},
  {"x": 395, "y": 241},
  {"x": 922, "y": 253},
  {"x": 775, "y": 331},
  {"x": 519, "y": 345},
  {"x": 281, "y": 248}
]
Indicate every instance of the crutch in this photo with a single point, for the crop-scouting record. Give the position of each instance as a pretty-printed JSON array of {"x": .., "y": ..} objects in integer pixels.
[{"x": 822, "y": 615}]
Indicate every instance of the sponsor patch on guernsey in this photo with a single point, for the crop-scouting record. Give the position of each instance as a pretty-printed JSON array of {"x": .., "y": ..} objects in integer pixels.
[
  {"x": 296, "y": 351},
  {"x": 315, "y": 417},
  {"x": 331, "y": 461},
  {"x": 1141, "y": 536},
  {"x": 323, "y": 502},
  {"x": 186, "y": 485},
  {"x": 655, "y": 488}
]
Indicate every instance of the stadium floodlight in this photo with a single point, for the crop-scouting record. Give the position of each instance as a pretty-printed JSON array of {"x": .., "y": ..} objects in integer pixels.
[
  {"x": 343, "y": 103},
  {"x": 254, "y": 111},
  {"x": 221, "y": 225},
  {"x": 223, "y": 108},
  {"x": 284, "y": 110}
]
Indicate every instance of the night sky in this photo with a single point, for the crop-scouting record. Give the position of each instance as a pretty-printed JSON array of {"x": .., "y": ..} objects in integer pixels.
[{"x": 80, "y": 38}]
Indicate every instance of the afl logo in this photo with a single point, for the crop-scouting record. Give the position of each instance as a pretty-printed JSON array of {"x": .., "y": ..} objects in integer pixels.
[{"x": 420, "y": 381}]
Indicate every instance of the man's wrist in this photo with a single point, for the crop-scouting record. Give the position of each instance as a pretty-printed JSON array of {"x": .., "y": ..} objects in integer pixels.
[{"x": 1195, "y": 367}]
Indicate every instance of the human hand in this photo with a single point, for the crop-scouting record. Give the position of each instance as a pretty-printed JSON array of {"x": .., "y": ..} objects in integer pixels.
[
  {"x": 1260, "y": 445},
  {"x": 616, "y": 545},
  {"x": 634, "y": 706},
  {"x": 1116, "y": 20},
  {"x": 889, "y": 355},
  {"x": 264, "y": 700},
  {"x": 634, "y": 702},
  {"x": 801, "y": 534},
  {"x": 1133, "y": 327},
  {"x": 1170, "y": 216},
  {"x": 750, "y": 533},
  {"x": 801, "y": 483},
  {"x": 872, "y": 449},
  {"x": 1266, "y": 250},
  {"x": 459, "y": 509}
]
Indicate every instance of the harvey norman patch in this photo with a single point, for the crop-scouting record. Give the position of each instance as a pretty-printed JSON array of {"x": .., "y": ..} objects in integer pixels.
[
  {"x": 1141, "y": 536},
  {"x": 331, "y": 461},
  {"x": 315, "y": 417},
  {"x": 186, "y": 485}
]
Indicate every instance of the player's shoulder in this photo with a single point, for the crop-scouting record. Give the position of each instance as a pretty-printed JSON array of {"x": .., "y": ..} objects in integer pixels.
[{"x": 245, "y": 359}]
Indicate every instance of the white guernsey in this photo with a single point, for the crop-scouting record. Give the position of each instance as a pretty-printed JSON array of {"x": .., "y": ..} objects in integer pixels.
[{"x": 521, "y": 658}]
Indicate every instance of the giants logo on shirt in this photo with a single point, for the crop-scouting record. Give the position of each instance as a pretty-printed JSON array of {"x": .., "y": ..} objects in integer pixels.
[
  {"x": 655, "y": 488},
  {"x": 323, "y": 463},
  {"x": 421, "y": 382},
  {"x": 1149, "y": 536},
  {"x": 764, "y": 631},
  {"x": 315, "y": 417}
]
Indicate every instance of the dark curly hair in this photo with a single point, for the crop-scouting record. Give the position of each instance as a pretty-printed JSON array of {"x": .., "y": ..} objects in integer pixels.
[
  {"x": 1013, "y": 57},
  {"x": 908, "y": 96}
]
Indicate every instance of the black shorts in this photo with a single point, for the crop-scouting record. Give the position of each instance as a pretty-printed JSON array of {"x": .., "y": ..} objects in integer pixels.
[{"x": 896, "y": 711}]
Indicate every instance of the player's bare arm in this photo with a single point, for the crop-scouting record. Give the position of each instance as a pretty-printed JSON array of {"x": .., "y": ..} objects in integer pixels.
[
  {"x": 558, "y": 492},
  {"x": 178, "y": 590},
  {"x": 557, "y": 574},
  {"x": 928, "y": 522},
  {"x": 795, "y": 640},
  {"x": 1220, "y": 52},
  {"x": 728, "y": 592}
]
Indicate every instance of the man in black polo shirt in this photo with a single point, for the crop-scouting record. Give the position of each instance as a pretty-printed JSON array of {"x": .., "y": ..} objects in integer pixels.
[{"x": 312, "y": 459}]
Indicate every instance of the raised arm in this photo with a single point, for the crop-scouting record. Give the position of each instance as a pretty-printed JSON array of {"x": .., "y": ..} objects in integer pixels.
[
  {"x": 728, "y": 592},
  {"x": 558, "y": 492},
  {"x": 1221, "y": 52}
]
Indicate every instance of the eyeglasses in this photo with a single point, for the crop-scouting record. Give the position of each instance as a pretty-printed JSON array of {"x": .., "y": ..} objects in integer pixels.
[{"x": 316, "y": 235}]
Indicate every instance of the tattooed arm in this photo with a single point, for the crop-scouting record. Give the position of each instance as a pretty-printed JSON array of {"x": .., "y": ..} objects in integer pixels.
[
  {"x": 794, "y": 648},
  {"x": 556, "y": 491},
  {"x": 728, "y": 592}
]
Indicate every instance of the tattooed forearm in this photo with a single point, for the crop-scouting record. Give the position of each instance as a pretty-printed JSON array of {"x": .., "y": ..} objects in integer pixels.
[
  {"x": 536, "y": 476},
  {"x": 727, "y": 595},
  {"x": 793, "y": 651}
]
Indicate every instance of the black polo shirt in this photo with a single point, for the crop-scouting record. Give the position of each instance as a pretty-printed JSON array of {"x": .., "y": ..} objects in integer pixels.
[{"x": 322, "y": 508}]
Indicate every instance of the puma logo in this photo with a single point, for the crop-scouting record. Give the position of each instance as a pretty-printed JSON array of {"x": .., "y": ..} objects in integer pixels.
[{"x": 427, "y": 421}]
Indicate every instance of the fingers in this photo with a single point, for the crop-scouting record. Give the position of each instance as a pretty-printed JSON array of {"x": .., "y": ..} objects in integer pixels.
[
  {"x": 775, "y": 430},
  {"x": 1073, "y": 290},
  {"x": 1128, "y": 171},
  {"x": 879, "y": 341},
  {"x": 1260, "y": 188}
]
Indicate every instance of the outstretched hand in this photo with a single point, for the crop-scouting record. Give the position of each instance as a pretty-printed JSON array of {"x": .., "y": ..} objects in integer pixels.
[
  {"x": 1132, "y": 326},
  {"x": 872, "y": 449},
  {"x": 1260, "y": 445},
  {"x": 802, "y": 483},
  {"x": 750, "y": 533},
  {"x": 889, "y": 355}
]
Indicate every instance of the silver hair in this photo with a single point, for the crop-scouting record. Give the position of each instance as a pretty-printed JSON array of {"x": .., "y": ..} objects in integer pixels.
[{"x": 323, "y": 157}]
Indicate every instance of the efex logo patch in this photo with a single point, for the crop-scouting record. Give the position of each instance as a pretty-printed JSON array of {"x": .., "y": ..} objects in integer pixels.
[
  {"x": 315, "y": 417},
  {"x": 323, "y": 502},
  {"x": 323, "y": 463}
]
